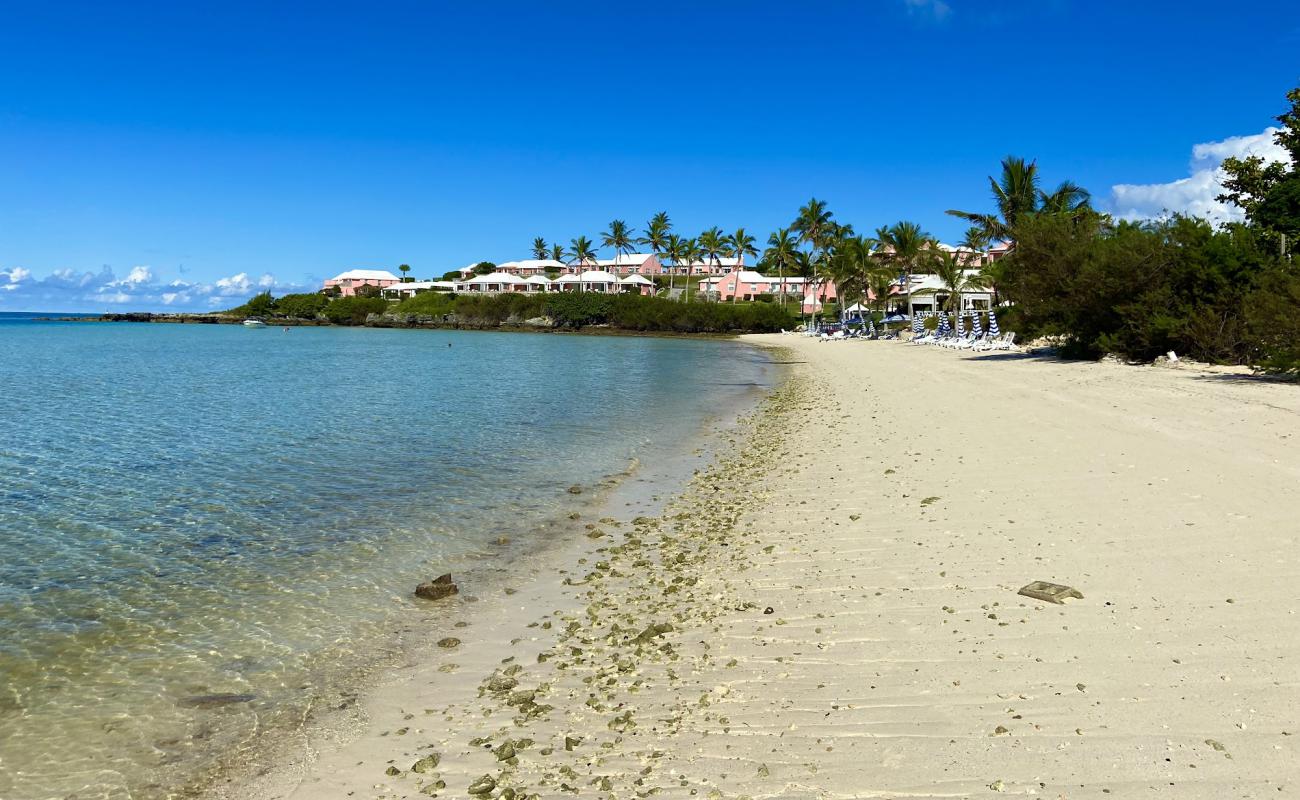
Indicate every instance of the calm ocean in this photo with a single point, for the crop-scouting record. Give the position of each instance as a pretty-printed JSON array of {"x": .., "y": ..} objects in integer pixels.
[{"x": 189, "y": 510}]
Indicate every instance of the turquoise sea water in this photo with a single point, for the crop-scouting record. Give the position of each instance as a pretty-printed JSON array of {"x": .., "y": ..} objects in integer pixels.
[{"x": 188, "y": 510}]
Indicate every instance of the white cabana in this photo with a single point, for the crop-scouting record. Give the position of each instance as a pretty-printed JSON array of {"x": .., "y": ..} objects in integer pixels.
[
  {"x": 495, "y": 283},
  {"x": 637, "y": 283},
  {"x": 401, "y": 290},
  {"x": 538, "y": 283},
  {"x": 593, "y": 280}
]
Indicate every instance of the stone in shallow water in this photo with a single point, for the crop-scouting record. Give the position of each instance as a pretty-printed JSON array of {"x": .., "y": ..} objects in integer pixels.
[
  {"x": 1050, "y": 592},
  {"x": 427, "y": 764},
  {"x": 438, "y": 588},
  {"x": 449, "y": 642},
  {"x": 483, "y": 785},
  {"x": 216, "y": 700}
]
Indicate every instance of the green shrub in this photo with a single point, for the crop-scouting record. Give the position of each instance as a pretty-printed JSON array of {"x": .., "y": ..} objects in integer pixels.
[
  {"x": 1137, "y": 290},
  {"x": 427, "y": 303},
  {"x": 301, "y": 306},
  {"x": 1273, "y": 322},
  {"x": 354, "y": 310}
]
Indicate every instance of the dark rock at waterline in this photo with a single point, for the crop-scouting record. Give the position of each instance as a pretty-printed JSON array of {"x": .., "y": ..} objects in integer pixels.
[
  {"x": 575, "y": 489},
  {"x": 438, "y": 588},
  {"x": 216, "y": 700}
]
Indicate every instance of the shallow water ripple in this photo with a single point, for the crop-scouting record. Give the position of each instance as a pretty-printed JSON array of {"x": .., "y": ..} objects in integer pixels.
[{"x": 196, "y": 510}]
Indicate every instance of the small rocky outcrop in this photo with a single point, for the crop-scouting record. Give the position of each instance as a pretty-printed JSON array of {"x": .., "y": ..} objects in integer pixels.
[{"x": 438, "y": 588}]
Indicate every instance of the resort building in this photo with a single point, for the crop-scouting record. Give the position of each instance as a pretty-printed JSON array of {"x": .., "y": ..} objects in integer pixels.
[
  {"x": 624, "y": 264},
  {"x": 719, "y": 266},
  {"x": 751, "y": 286},
  {"x": 933, "y": 295},
  {"x": 590, "y": 281},
  {"x": 348, "y": 282},
  {"x": 632, "y": 264},
  {"x": 404, "y": 290},
  {"x": 496, "y": 283},
  {"x": 531, "y": 266}
]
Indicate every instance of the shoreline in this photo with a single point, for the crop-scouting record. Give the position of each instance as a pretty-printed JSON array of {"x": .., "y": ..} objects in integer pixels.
[
  {"x": 264, "y": 768},
  {"x": 409, "y": 322},
  {"x": 830, "y": 609}
]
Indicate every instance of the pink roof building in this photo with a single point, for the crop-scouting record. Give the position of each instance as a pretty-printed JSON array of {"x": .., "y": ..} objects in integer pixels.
[{"x": 348, "y": 282}]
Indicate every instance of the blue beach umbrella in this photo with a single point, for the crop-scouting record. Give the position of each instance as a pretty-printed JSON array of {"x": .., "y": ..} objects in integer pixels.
[
  {"x": 977, "y": 327},
  {"x": 961, "y": 326},
  {"x": 993, "y": 324},
  {"x": 943, "y": 325}
]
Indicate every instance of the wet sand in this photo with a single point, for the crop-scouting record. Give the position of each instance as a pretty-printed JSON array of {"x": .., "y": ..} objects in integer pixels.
[{"x": 830, "y": 610}]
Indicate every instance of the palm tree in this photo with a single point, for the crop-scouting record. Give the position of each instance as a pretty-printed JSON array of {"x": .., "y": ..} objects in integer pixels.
[
  {"x": 815, "y": 226},
  {"x": 812, "y": 224},
  {"x": 804, "y": 267},
  {"x": 656, "y": 238},
  {"x": 691, "y": 254},
  {"x": 712, "y": 245},
  {"x": 904, "y": 245},
  {"x": 1066, "y": 198},
  {"x": 848, "y": 266},
  {"x": 582, "y": 252},
  {"x": 540, "y": 250},
  {"x": 675, "y": 248},
  {"x": 557, "y": 252},
  {"x": 404, "y": 268},
  {"x": 781, "y": 247},
  {"x": 975, "y": 242},
  {"x": 881, "y": 283},
  {"x": 739, "y": 245},
  {"x": 619, "y": 237},
  {"x": 1017, "y": 196}
]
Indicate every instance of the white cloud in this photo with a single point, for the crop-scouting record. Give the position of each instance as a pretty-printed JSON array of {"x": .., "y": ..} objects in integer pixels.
[
  {"x": 138, "y": 276},
  {"x": 1194, "y": 195},
  {"x": 69, "y": 290},
  {"x": 938, "y": 10}
]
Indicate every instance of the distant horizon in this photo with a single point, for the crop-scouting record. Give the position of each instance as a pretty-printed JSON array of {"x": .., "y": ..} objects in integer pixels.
[{"x": 222, "y": 153}]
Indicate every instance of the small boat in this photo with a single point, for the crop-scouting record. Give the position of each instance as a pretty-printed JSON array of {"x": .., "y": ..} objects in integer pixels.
[{"x": 254, "y": 323}]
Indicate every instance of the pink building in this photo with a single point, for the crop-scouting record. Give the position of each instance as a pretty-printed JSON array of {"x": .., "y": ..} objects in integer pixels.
[
  {"x": 750, "y": 285},
  {"x": 624, "y": 264},
  {"x": 530, "y": 266},
  {"x": 720, "y": 266},
  {"x": 348, "y": 282}
]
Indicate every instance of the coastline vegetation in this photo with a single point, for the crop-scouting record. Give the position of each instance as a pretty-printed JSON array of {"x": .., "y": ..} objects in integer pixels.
[{"x": 559, "y": 310}]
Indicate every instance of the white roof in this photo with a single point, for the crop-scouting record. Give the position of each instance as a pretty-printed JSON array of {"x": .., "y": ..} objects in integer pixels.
[
  {"x": 497, "y": 277},
  {"x": 638, "y": 279},
  {"x": 568, "y": 279},
  {"x": 749, "y": 276},
  {"x": 625, "y": 260},
  {"x": 720, "y": 262},
  {"x": 423, "y": 285},
  {"x": 598, "y": 276},
  {"x": 532, "y": 263},
  {"x": 366, "y": 275},
  {"x": 921, "y": 281},
  {"x": 542, "y": 279}
]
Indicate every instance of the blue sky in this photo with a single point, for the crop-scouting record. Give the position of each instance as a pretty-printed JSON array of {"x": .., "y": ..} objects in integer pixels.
[{"x": 153, "y": 149}]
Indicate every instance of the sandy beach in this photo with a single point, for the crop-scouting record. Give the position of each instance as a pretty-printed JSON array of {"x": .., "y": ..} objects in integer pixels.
[{"x": 831, "y": 609}]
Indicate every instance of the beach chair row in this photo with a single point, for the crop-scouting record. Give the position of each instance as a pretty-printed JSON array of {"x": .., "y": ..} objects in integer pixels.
[{"x": 985, "y": 343}]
